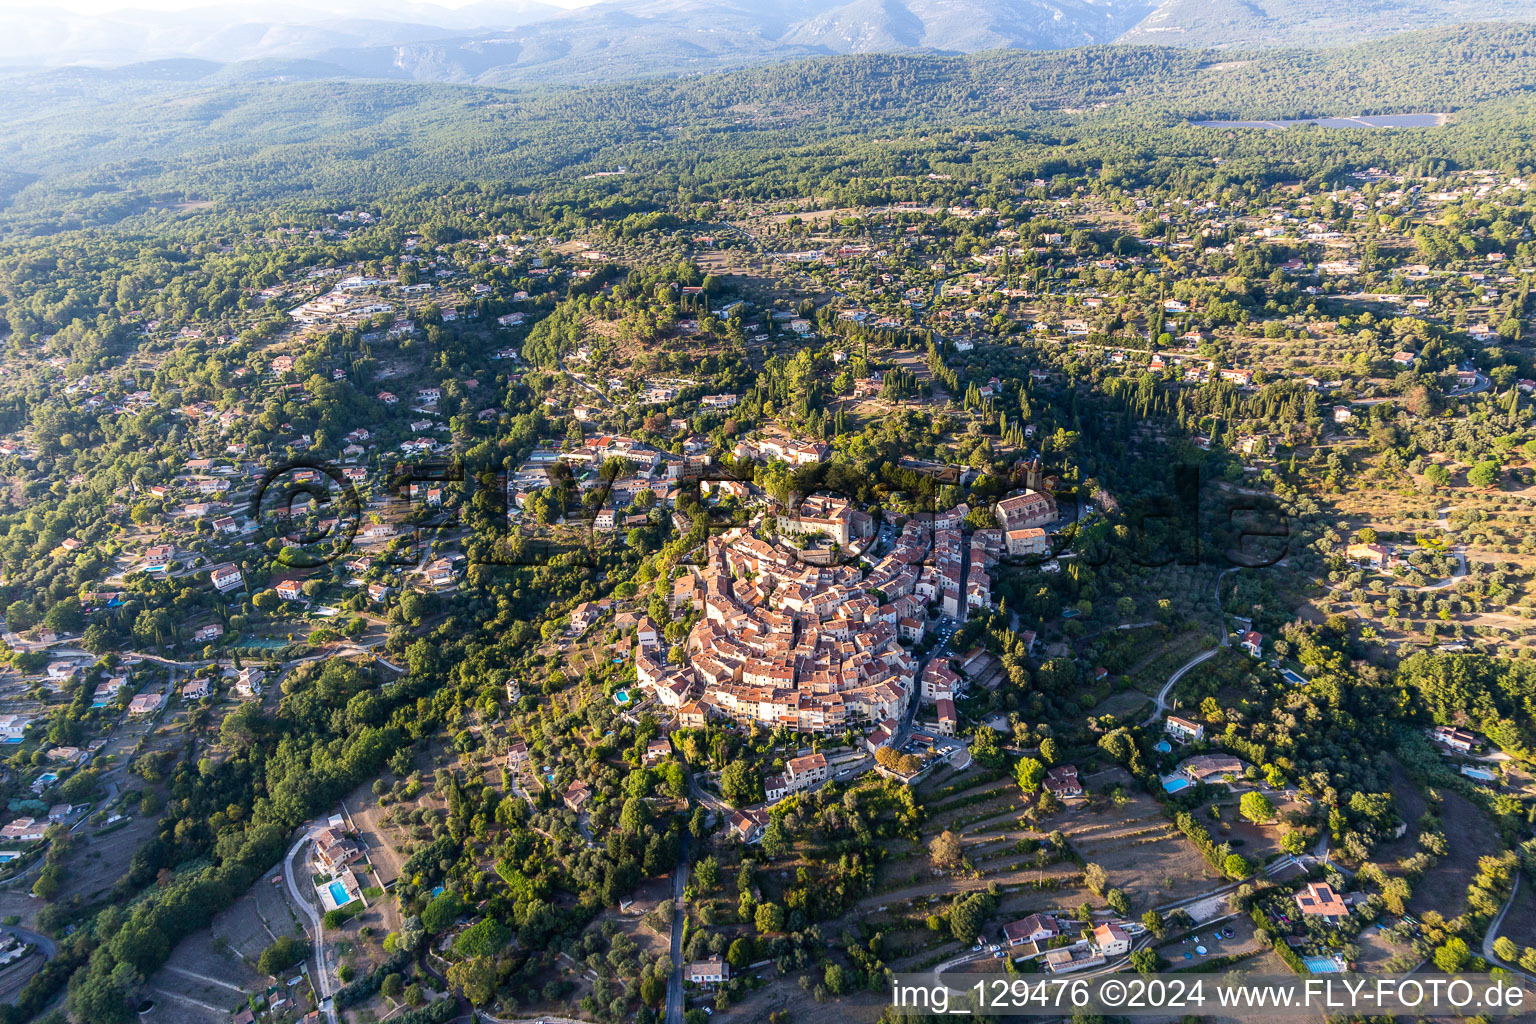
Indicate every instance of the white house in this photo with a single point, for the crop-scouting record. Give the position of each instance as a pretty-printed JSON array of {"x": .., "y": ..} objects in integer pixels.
[
  {"x": 225, "y": 577},
  {"x": 1111, "y": 940},
  {"x": 1034, "y": 928},
  {"x": 1184, "y": 729}
]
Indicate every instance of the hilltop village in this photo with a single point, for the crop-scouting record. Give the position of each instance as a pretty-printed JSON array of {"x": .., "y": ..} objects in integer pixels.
[{"x": 699, "y": 614}]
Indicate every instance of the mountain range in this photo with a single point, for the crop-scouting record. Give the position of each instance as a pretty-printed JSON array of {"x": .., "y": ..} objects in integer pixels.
[{"x": 527, "y": 41}]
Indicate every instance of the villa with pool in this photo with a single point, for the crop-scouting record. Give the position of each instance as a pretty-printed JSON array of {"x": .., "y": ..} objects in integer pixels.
[
  {"x": 1205, "y": 768},
  {"x": 339, "y": 890}
]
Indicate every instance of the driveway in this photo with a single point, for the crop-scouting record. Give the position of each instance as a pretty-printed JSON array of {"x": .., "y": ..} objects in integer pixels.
[{"x": 675, "y": 983}]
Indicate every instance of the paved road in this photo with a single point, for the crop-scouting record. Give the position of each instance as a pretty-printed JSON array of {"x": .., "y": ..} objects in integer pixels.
[
  {"x": 675, "y": 982},
  {"x": 43, "y": 943},
  {"x": 1160, "y": 704},
  {"x": 1493, "y": 933},
  {"x": 317, "y": 928},
  {"x": 1456, "y": 576},
  {"x": 1482, "y": 384},
  {"x": 601, "y": 396},
  {"x": 1442, "y": 519}
]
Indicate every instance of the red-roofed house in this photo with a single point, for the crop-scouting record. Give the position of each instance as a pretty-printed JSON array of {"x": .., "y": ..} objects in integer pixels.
[
  {"x": 1319, "y": 900},
  {"x": 947, "y": 720},
  {"x": 1111, "y": 940},
  {"x": 1034, "y": 928}
]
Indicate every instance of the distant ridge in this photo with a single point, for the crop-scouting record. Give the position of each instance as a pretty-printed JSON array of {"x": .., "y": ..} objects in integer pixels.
[
  {"x": 527, "y": 41},
  {"x": 1270, "y": 23}
]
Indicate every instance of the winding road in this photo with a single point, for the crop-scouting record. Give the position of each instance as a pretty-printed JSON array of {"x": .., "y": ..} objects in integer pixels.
[
  {"x": 1160, "y": 703},
  {"x": 43, "y": 943},
  {"x": 317, "y": 928},
  {"x": 1442, "y": 519},
  {"x": 1493, "y": 933}
]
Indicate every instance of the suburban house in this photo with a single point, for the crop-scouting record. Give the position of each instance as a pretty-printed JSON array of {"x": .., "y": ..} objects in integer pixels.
[
  {"x": 807, "y": 771},
  {"x": 144, "y": 704},
  {"x": 1184, "y": 729},
  {"x": 248, "y": 683},
  {"x": 583, "y": 615},
  {"x": 1222, "y": 767},
  {"x": 708, "y": 972},
  {"x": 1062, "y": 781},
  {"x": 197, "y": 689},
  {"x": 576, "y": 796},
  {"x": 25, "y": 830},
  {"x": 517, "y": 755},
  {"x": 1319, "y": 900},
  {"x": 749, "y": 824},
  {"x": 1111, "y": 940},
  {"x": 1455, "y": 738},
  {"x": 225, "y": 577},
  {"x": 1377, "y": 555},
  {"x": 334, "y": 850},
  {"x": 1034, "y": 928},
  {"x": 441, "y": 572},
  {"x": 107, "y": 692},
  {"x": 1252, "y": 642}
]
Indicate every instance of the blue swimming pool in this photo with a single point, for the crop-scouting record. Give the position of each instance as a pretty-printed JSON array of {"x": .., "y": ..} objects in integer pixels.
[
  {"x": 1174, "y": 783},
  {"x": 1162, "y": 747},
  {"x": 622, "y": 697},
  {"x": 1321, "y": 964},
  {"x": 339, "y": 894}
]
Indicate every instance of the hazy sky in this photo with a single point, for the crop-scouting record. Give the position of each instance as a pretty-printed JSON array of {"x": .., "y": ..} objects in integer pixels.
[{"x": 255, "y": 9}]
